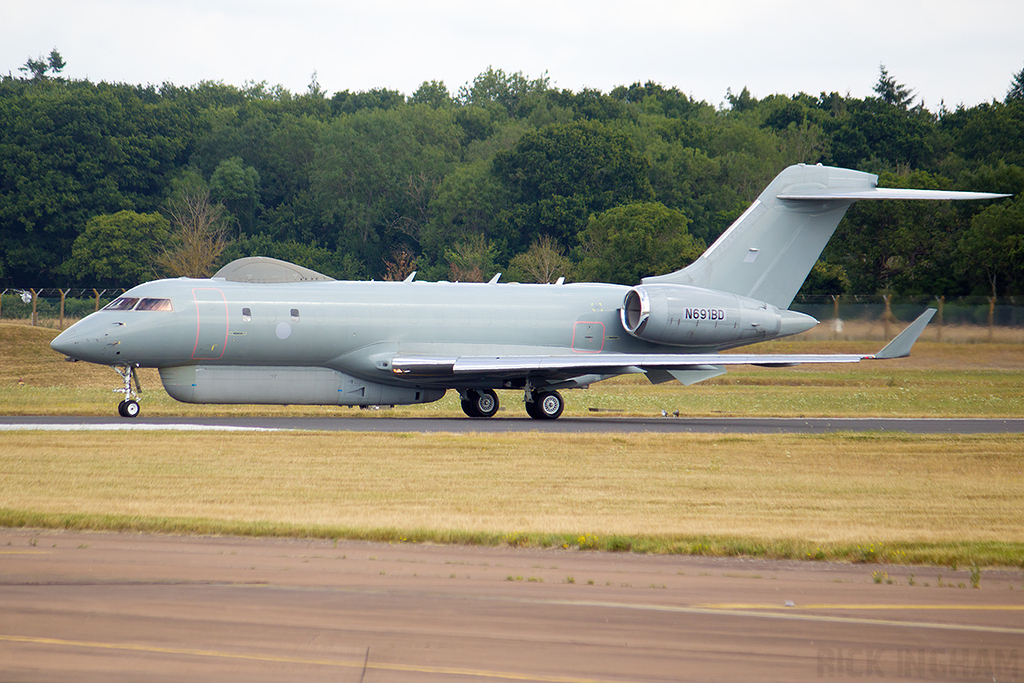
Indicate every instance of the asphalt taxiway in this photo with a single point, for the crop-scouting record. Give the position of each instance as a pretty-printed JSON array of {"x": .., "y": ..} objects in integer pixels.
[
  {"x": 77, "y": 606},
  {"x": 669, "y": 424}
]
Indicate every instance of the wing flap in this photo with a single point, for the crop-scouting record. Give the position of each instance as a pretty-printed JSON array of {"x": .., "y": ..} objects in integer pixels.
[{"x": 603, "y": 363}]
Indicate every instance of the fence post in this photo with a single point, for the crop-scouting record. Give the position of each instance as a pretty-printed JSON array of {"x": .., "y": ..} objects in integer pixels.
[
  {"x": 97, "y": 299},
  {"x": 63, "y": 295},
  {"x": 837, "y": 324},
  {"x": 991, "y": 316},
  {"x": 942, "y": 304},
  {"x": 35, "y": 315},
  {"x": 887, "y": 316}
]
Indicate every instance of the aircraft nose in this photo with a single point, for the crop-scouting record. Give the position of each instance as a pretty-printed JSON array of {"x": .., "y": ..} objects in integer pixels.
[
  {"x": 65, "y": 342},
  {"x": 76, "y": 342}
]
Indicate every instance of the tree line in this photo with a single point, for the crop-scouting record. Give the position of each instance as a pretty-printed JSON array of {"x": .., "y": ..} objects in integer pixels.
[{"x": 111, "y": 184}]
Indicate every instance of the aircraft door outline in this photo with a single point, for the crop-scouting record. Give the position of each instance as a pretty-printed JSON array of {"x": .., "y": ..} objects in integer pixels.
[{"x": 211, "y": 323}]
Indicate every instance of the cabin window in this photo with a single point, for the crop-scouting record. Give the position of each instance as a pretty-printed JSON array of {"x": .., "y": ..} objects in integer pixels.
[
  {"x": 155, "y": 305},
  {"x": 246, "y": 315},
  {"x": 295, "y": 315},
  {"x": 124, "y": 303}
]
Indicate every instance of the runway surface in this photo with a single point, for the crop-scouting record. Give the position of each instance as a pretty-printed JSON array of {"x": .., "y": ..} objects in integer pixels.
[
  {"x": 126, "y": 607},
  {"x": 746, "y": 425}
]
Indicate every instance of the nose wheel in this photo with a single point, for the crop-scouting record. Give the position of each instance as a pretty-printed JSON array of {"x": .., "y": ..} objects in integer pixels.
[{"x": 129, "y": 407}]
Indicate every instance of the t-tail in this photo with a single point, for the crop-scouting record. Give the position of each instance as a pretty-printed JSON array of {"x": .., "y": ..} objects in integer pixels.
[{"x": 767, "y": 253}]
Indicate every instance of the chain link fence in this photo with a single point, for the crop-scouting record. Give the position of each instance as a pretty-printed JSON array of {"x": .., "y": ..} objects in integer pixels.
[
  {"x": 962, "y": 319},
  {"x": 50, "y": 307}
]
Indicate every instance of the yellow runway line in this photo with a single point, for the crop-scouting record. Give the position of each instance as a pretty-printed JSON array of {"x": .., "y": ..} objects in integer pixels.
[
  {"x": 741, "y": 605},
  {"x": 255, "y": 657}
]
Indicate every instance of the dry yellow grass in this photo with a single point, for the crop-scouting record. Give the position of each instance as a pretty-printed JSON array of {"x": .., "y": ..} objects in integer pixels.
[
  {"x": 827, "y": 489},
  {"x": 939, "y": 380},
  {"x": 936, "y": 499}
]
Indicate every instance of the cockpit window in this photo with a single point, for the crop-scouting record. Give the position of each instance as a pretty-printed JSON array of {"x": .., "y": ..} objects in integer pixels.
[
  {"x": 154, "y": 305},
  {"x": 124, "y": 303}
]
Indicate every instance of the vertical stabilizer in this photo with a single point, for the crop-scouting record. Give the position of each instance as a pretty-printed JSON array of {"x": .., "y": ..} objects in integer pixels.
[{"x": 767, "y": 253}]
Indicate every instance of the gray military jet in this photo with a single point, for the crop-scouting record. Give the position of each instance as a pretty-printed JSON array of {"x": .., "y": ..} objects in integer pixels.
[{"x": 271, "y": 332}]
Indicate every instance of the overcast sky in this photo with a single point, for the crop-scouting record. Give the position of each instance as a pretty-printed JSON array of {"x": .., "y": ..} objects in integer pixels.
[{"x": 945, "y": 50}]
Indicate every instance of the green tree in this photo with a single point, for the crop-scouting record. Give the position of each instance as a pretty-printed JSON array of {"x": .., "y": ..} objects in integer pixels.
[
  {"x": 825, "y": 279},
  {"x": 544, "y": 262},
  {"x": 468, "y": 202},
  {"x": 471, "y": 260},
  {"x": 992, "y": 249},
  {"x": 563, "y": 173},
  {"x": 434, "y": 93},
  {"x": 1016, "y": 91},
  {"x": 627, "y": 243},
  {"x": 346, "y": 102},
  {"x": 375, "y": 173},
  {"x": 891, "y": 92},
  {"x": 118, "y": 250},
  {"x": 509, "y": 91},
  {"x": 236, "y": 186},
  {"x": 73, "y": 150},
  {"x": 200, "y": 227},
  {"x": 900, "y": 247}
]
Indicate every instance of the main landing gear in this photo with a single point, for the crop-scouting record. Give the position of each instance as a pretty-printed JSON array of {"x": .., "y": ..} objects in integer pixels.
[
  {"x": 544, "y": 405},
  {"x": 479, "y": 402},
  {"x": 129, "y": 407},
  {"x": 540, "y": 405}
]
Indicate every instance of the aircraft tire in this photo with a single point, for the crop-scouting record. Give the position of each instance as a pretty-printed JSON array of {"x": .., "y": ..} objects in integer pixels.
[
  {"x": 546, "y": 405},
  {"x": 128, "y": 409},
  {"x": 482, "y": 403},
  {"x": 468, "y": 409}
]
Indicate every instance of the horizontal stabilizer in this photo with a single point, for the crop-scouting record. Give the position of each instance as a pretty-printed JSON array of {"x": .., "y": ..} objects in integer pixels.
[
  {"x": 900, "y": 346},
  {"x": 767, "y": 253},
  {"x": 825, "y": 194}
]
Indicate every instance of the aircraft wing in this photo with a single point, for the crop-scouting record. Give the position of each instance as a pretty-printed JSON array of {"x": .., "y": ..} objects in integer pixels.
[{"x": 685, "y": 364}]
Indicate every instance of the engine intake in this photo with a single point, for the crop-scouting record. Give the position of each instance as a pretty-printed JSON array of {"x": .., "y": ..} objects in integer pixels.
[{"x": 681, "y": 315}]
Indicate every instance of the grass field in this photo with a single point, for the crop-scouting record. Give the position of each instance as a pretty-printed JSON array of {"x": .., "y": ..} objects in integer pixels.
[
  {"x": 939, "y": 380},
  {"x": 857, "y": 497}
]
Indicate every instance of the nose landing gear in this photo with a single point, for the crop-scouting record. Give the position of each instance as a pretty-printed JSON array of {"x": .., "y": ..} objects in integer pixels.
[{"x": 129, "y": 407}]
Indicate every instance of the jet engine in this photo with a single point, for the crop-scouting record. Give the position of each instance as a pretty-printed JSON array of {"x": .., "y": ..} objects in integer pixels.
[{"x": 681, "y": 315}]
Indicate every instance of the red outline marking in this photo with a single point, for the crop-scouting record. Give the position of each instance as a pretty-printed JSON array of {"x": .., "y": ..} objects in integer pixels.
[{"x": 224, "y": 346}]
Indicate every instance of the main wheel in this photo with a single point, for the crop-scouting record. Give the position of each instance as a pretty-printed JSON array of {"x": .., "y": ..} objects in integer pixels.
[
  {"x": 482, "y": 403},
  {"x": 546, "y": 405}
]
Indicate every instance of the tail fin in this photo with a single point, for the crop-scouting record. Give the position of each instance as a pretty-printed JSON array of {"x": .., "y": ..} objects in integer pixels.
[{"x": 767, "y": 253}]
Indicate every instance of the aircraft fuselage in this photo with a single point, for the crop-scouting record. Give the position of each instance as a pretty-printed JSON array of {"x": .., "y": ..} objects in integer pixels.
[{"x": 332, "y": 342}]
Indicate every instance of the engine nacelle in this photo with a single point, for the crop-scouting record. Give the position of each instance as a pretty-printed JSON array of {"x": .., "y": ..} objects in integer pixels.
[{"x": 681, "y": 315}]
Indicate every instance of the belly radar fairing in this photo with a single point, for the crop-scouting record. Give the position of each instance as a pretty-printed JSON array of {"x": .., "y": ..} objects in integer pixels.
[{"x": 271, "y": 332}]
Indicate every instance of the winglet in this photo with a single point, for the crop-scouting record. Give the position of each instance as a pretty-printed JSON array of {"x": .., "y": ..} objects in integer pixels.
[{"x": 900, "y": 346}]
